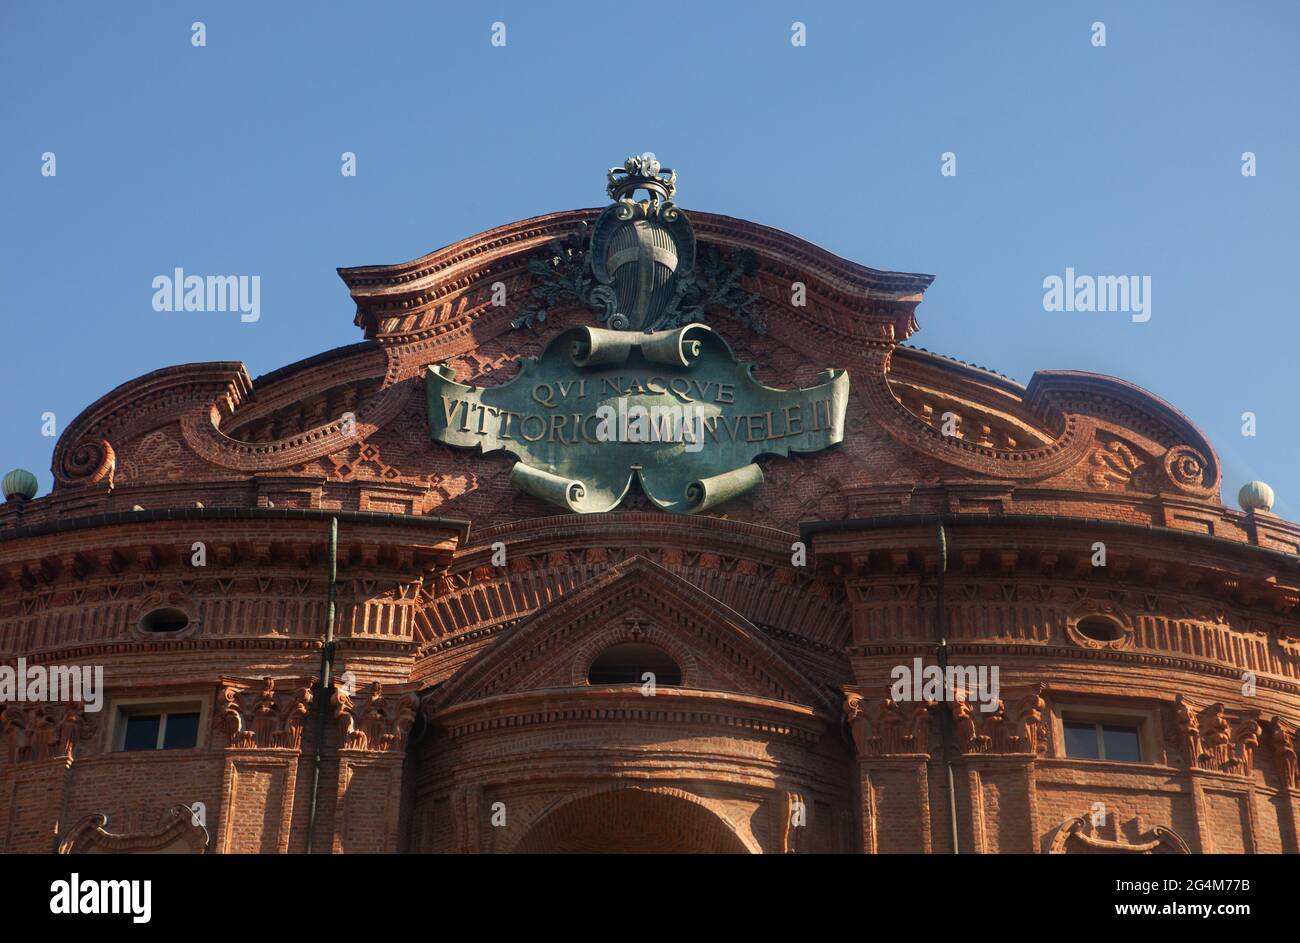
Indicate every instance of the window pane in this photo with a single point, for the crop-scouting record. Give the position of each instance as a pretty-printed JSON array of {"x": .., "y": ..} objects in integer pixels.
[
  {"x": 141, "y": 732},
  {"x": 1121, "y": 743},
  {"x": 1081, "y": 740},
  {"x": 182, "y": 731}
]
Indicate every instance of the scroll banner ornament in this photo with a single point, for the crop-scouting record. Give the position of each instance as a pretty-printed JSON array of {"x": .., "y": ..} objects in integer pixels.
[{"x": 674, "y": 409}]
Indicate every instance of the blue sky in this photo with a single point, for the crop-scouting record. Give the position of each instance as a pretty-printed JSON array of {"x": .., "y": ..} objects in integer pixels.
[{"x": 225, "y": 159}]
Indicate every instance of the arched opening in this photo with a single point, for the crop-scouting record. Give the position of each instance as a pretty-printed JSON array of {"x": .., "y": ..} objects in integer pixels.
[
  {"x": 631, "y": 821},
  {"x": 630, "y": 662}
]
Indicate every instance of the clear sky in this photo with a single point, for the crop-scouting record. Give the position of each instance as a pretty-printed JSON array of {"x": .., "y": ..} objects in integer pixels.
[{"x": 1117, "y": 160}]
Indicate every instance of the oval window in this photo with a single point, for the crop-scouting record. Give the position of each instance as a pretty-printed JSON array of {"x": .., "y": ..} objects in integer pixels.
[
  {"x": 628, "y": 663},
  {"x": 164, "y": 620},
  {"x": 1099, "y": 630}
]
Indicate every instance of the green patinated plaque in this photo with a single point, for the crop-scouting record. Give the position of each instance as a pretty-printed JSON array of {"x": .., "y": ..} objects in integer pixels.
[{"x": 673, "y": 408}]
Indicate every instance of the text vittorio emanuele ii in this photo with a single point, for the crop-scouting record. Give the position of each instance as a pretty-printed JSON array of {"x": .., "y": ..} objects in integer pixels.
[{"x": 679, "y": 409}]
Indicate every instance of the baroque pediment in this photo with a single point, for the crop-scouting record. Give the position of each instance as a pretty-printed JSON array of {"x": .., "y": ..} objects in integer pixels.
[
  {"x": 481, "y": 345},
  {"x": 715, "y": 647}
]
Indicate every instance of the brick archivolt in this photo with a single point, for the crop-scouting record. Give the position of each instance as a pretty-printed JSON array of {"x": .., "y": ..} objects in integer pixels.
[
  {"x": 744, "y": 719},
  {"x": 634, "y": 818}
]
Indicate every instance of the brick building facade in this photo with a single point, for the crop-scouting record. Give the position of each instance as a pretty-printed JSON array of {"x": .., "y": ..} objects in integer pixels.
[{"x": 1069, "y": 533}]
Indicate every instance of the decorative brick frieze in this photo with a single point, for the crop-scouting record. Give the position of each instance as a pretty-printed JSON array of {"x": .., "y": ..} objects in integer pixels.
[{"x": 891, "y": 728}]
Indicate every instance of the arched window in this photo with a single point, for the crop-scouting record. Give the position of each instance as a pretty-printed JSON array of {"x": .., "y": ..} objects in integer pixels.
[{"x": 628, "y": 663}]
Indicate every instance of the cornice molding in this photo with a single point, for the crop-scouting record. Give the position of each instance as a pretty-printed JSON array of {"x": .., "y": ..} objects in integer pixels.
[{"x": 674, "y": 707}]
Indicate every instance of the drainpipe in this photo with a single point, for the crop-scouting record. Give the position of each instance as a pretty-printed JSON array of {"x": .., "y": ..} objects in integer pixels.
[
  {"x": 945, "y": 715},
  {"x": 326, "y": 669}
]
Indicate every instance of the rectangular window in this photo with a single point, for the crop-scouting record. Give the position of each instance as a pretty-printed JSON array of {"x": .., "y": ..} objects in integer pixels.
[
  {"x": 170, "y": 730},
  {"x": 1103, "y": 740}
]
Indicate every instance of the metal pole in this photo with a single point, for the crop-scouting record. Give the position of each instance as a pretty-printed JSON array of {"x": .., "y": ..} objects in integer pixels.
[
  {"x": 945, "y": 715},
  {"x": 326, "y": 670}
]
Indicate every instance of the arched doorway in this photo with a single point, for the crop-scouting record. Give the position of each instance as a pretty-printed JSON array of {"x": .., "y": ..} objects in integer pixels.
[{"x": 634, "y": 821}]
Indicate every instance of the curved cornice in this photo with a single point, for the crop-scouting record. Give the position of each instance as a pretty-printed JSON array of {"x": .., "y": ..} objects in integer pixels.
[
  {"x": 906, "y": 352},
  {"x": 457, "y": 526},
  {"x": 1068, "y": 406},
  {"x": 1072, "y": 389},
  {"x": 418, "y": 282},
  {"x": 709, "y": 531},
  {"x": 84, "y": 453},
  {"x": 1051, "y": 524},
  {"x": 205, "y": 397}
]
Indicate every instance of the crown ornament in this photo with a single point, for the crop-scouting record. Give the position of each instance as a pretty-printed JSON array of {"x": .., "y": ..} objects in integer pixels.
[
  {"x": 642, "y": 173},
  {"x": 638, "y": 268}
]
